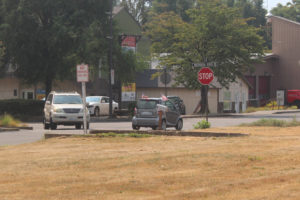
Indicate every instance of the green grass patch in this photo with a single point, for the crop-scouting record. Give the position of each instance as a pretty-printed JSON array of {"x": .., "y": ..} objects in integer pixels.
[
  {"x": 273, "y": 122},
  {"x": 9, "y": 121},
  {"x": 202, "y": 125}
]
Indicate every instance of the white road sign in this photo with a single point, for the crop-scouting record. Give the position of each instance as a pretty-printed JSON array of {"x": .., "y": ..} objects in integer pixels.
[{"x": 82, "y": 73}]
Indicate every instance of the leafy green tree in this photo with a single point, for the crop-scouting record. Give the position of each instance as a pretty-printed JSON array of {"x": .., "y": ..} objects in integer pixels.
[
  {"x": 46, "y": 39},
  {"x": 290, "y": 10},
  {"x": 177, "y": 6},
  {"x": 215, "y": 34},
  {"x": 138, "y": 9}
]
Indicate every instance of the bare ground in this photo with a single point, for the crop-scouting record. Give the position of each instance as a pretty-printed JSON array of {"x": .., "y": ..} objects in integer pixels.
[{"x": 265, "y": 165}]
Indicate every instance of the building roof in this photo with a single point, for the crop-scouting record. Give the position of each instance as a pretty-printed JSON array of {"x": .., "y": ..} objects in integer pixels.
[{"x": 284, "y": 19}]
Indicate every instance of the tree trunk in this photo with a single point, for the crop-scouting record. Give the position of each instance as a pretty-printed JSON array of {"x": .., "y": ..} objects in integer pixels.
[
  {"x": 48, "y": 86},
  {"x": 204, "y": 100}
]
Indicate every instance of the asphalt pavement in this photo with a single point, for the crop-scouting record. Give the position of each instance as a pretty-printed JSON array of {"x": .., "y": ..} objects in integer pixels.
[{"x": 124, "y": 123}]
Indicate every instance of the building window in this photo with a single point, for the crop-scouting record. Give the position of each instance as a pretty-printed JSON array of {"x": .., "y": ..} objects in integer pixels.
[
  {"x": 15, "y": 92},
  {"x": 29, "y": 95}
]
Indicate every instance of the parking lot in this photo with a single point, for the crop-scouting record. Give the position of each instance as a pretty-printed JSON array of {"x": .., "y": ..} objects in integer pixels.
[{"x": 27, "y": 136}]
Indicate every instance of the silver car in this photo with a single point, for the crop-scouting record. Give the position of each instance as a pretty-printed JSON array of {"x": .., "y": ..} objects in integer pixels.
[
  {"x": 146, "y": 114},
  {"x": 64, "y": 109}
]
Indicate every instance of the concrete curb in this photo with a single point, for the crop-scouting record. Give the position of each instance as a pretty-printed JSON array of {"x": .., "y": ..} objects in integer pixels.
[
  {"x": 156, "y": 132},
  {"x": 2, "y": 129}
]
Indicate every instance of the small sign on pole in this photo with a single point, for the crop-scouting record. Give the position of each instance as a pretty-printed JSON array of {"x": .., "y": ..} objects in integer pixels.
[
  {"x": 82, "y": 73},
  {"x": 83, "y": 77}
]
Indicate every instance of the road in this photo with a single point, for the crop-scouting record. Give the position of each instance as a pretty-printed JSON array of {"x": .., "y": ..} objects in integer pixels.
[{"x": 27, "y": 136}]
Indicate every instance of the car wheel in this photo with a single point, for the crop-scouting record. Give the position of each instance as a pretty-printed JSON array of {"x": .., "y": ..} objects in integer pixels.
[
  {"x": 154, "y": 127},
  {"x": 78, "y": 126},
  {"x": 46, "y": 126},
  {"x": 179, "y": 125},
  {"x": 135, "y": 127},
  {"x": 163, "y": 125},
  {"x": 52, "y": 125},
  {"x": 97, "y": 112}
]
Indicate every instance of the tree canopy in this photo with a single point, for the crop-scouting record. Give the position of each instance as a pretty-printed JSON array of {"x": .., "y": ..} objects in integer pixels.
[
  {"x": 290, "y": 10},
  {"x": 215, "y": 34},
  {"x": 47, "y": 39}
]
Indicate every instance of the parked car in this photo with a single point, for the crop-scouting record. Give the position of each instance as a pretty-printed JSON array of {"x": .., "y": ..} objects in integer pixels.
[
  {"x": 178, "y": 103},
  {"x": 146, "y": 114},
  {"x": 64, "y": 109},
  {"x": 293, "y": 98},
  {"x": 99, "y": 105}
]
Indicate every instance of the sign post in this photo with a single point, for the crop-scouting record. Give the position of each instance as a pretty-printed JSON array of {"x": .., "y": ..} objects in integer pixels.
[
  {"x": 205, "y": 77},
  {"x": 83, "y": 77}
]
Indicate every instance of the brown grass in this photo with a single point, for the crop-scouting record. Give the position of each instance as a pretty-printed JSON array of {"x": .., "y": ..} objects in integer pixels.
[{"x": 265, "y": 165}]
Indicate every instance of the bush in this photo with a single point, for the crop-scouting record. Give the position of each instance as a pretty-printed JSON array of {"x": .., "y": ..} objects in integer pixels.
[
  {"x": 9, "y": 121},
  {"x": 202, "y": 125},
  {"x": 21, "y": 107}
]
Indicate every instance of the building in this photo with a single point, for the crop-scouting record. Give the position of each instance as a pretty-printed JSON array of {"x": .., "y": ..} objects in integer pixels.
[{"x": 281, "y": 69}]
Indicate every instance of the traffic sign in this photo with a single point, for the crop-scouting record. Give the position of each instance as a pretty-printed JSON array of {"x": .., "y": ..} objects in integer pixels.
[
  {"x": 205, "y": 76},
  {"x": 82, "y": 73}
]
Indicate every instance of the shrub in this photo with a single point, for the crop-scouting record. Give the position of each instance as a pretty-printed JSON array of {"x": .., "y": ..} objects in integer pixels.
[
  {"x": 9, "y": 121},
  {"x": 202, "y": 125},
  {"x": 21, "y": 107}
]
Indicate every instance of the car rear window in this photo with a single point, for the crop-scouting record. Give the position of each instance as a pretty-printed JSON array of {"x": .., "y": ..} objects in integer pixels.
[
  {"x": 147, "y": 104},
  {"x": 67, "y": 99}
]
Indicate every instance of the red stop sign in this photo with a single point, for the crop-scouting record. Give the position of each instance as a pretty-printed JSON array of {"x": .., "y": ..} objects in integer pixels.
[{"x": 205, "y": 75}]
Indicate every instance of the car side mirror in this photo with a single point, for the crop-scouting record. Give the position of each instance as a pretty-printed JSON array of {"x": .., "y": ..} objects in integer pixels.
[{"x": 48, "y": 102}]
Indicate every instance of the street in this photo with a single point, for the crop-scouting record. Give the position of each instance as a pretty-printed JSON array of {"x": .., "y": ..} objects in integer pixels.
[{"x": 27, "y": 136}]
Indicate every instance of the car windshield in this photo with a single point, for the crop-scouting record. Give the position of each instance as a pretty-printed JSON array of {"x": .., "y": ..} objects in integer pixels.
[
  {"x": 92, "y": 99},
  {"x": 147, "y": 104},
  {"x": 67, "y": 99}
]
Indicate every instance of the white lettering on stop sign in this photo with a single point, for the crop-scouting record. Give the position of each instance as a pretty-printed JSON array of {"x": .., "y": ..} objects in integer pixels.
[{"x": 205, "y": 75}]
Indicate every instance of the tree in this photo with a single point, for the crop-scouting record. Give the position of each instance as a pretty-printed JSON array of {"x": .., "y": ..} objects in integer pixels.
[
  {"x": 290, "y": 10},
  {"x": 177, "y": 6},
  {"x": 215, "y": 34},
  {"x": 138, "y": 9},
  {"x": 253, "y": 11},
  {"x": 46, "y": 39}
]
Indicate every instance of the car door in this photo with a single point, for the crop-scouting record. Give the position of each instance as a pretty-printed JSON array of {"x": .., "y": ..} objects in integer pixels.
[
  {"x": 172, "y": 113},
  {"x": 105, "y": 105}
]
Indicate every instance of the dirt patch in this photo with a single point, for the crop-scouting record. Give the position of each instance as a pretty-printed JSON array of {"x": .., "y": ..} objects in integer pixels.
[{"x": 264, "y": 165}]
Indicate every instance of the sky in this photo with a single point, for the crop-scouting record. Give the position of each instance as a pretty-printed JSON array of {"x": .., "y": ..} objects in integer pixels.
[{"x": 269, "y": 4}]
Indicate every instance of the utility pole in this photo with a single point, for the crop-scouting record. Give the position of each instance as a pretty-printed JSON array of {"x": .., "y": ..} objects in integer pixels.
[
  {"x": 110, "y": 58},
  {"x": 165, "y": 75}
]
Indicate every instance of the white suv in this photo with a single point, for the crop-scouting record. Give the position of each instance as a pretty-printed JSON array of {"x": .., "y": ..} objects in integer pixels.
[{"x": 64, "y": 109}]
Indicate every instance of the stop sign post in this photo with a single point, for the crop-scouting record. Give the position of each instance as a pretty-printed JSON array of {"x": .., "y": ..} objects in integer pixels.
[{"x": 205, "y": 76}]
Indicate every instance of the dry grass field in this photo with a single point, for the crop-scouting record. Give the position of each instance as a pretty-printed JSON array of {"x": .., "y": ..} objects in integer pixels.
[{"x": 263, "y": 166}]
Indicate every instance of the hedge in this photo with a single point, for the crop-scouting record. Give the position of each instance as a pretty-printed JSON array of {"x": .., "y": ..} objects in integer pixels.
[{"x": 22, "y": 107}]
